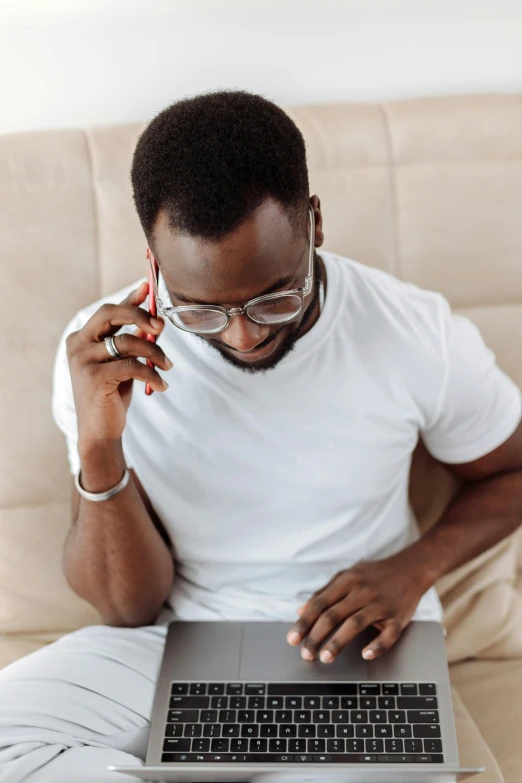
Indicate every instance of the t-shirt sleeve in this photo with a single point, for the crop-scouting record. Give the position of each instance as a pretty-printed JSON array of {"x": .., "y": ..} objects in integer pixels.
[
  {"x": 63, "y": 409},
  {"x": 479, "y": 406}
]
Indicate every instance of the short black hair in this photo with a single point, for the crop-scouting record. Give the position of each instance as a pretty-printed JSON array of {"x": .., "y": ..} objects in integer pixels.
[{"x": 210, "y": 160}]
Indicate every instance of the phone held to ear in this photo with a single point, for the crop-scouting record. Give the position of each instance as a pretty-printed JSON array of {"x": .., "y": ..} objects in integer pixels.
[{"x": 153, "y": 276}]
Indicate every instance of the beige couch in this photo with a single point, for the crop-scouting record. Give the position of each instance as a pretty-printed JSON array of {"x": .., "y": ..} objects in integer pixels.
[{"x": 430, "y": 190}]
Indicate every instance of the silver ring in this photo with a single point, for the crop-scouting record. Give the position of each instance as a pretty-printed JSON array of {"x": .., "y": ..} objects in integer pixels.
[{"x": 111, "y": 347}]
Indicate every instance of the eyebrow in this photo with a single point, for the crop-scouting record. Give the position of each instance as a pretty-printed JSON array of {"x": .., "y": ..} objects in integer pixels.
[{"x": 282, "y": 281}]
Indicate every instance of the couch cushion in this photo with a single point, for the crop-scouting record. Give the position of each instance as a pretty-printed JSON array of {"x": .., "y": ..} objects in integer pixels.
[{"x": 492, "y": 691}]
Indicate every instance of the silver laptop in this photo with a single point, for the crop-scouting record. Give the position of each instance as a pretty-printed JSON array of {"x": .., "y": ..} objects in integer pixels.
[{"x": 235, "y": 702}]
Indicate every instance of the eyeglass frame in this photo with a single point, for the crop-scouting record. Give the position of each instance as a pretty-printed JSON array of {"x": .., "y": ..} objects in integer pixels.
[{"x": 229, "y": 311}]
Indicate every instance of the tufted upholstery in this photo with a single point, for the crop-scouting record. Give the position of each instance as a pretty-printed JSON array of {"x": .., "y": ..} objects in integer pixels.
[{"x": 428, "y": 189}]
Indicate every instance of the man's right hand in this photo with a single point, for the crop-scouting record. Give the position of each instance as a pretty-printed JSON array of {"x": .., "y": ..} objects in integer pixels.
[{"x": 102, "y": 386}]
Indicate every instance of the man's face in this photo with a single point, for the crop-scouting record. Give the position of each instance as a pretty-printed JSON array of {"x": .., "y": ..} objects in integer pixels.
[{"x": 261, "y": 256}]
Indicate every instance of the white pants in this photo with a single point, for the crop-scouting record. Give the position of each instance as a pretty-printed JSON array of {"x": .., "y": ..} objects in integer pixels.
[{"x": 75, "y": 706}]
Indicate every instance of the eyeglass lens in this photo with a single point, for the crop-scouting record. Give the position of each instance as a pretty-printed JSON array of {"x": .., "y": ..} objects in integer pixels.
[{"x": 273, "y": 311}]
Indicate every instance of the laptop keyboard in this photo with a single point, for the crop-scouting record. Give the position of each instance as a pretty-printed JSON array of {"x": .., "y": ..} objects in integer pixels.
[{"x": 282, "y": 722}]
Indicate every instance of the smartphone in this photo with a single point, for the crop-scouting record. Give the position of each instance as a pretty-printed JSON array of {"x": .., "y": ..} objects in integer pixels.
[{"x": 153, "y": 275}]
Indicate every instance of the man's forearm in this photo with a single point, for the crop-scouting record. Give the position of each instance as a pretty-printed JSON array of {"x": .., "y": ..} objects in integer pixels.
[{"x": 480, "y": 515}]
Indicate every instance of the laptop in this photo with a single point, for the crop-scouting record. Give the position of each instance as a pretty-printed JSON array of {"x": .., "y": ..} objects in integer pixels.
[{"x": 235, "y": 702}]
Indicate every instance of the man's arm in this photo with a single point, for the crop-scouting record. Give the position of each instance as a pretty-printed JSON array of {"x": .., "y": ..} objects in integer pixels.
[
  {"x": 485, "y": 510},
  {"x": 117, "y": 554}
]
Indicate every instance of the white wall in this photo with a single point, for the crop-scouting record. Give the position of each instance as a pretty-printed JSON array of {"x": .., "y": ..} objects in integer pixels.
[{"x": 67, "y": 63}]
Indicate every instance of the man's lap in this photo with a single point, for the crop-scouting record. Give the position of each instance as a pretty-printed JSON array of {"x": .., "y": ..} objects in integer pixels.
[{"x": 92, "y": 687}]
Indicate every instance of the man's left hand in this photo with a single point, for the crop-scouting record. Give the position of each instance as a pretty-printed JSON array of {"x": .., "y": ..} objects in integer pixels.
[{"x": 383, "y": 593}]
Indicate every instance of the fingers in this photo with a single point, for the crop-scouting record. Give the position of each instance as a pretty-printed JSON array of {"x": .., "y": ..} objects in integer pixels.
[
  {"x": 128, "y": 345},
  {"x": 110, "y": 317},
  {"x": 384, "y": 641},
  {"x": 115, "y": 372}
]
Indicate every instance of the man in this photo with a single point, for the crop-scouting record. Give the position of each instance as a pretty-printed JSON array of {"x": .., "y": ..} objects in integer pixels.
[{"x": 271, "y": 476}]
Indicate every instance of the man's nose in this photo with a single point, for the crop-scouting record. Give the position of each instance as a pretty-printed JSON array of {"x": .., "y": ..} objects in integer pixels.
[{"x": 243, "y": 334}]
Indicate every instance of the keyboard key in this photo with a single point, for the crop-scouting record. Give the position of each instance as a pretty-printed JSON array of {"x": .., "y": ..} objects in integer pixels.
[
  {"x": 179, "y": 688},
  {"x": 312, "y": 689},
  {"x": 198, "y": 688},
  {"x": 297, "y": 745},
  {"x": 305, "y": 716},
  {"x": 174, "y": 730},
  {"x": 227, "y": 716},
  {"x": 216, "y": 688},
  {"x": 355, "y": 746},
  {"x": 235, "y": 688},
  {"x": 219, "y": 702},
  {"x": 246, "y": 716},
  {"x": 344, "y": 730},
  {"x": 359, "y": 716},
  {"x": 369, "y": 689},
  {"x": 270, "y": 730},
  {"x": 219, "y": 745},
  {"x": 255, "y": 689},
  {"x": 189, "y": 702},
  {"x": 408, "y": 689},
  {"x": 413, "y": 745},
  {"x": 349, "y": 702},
  {"x": 325, "y": 730},
  {"x": 306, "y": 730},
  {"x": 249, "y": 730},
  {"x": 335, "y": 746},
  {"x": 427, "y": 689},
  {"x": 432, "y": 746},
  {"x": 312, "y": 703},
  {"x": 278, "y": 745},
  {"x": 265, "y": 716},
  {"x": 368, "y": 702},
  {"x": 378, "y": 716},
  {"x": 239, "y": 745},
  {"x": 374, "y": 745},
  {"x": 393, "y": 746},
  {"x": 283, "y": 716},
  {"x": 293, "y": 703},
  {"x": 208, "y": 716},
  {"x": 284, "y": 757},
  {"x": 191, "y": 729},
  {"x": 212, "y": 730},
  {"x": 258, "y": 745},
  {"x": 200, "y": 745},
  {"x": 322, "y": 758},
  {"x": 275, "y": 702},
  {"x": 400, "y": 730},
  {"x": 231, "y": 730},
  {"x": 386, "y": 702},
  {"x": 286, "y": 730},
  {"x": 426, "y": 730},
  {"x": 363, "y": 730},
  {"x": 423, "y": 716},
  {"x": 316, "y": 746},
  {"x": 417, "y": 702},
  {"x": 304, "y": 757},
  {"x": 330, "y": 703},
  {"x": 256, "y": 703},
  {"x": 321, "y": 716},
  {"x": 396, "y": 717},
  {"x": 176, "y": 745},
  {"x": 390, "y": 689},
  {"x": 183, "y": 716},
  {"x": 383, "y": 731},
  {"x": 236, "y": 703}
]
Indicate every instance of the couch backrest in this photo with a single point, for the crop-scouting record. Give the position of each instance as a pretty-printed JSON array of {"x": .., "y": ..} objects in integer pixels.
[{"x": 429, "y": 190}]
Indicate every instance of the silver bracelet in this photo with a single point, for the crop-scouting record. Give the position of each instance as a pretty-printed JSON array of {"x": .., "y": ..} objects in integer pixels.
[{"x": 102, "y": 495}]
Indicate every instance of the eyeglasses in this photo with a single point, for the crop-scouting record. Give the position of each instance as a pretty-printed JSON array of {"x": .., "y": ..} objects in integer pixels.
[{"x": 269, "y": 309}]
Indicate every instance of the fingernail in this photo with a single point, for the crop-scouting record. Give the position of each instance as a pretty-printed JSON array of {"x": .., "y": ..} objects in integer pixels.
[
  {"x": 306, "y": 654},
  {"x": 155, "y": 323},
  {"x": 326, "y": 656},
  {"x": 293, "y": 637},
  {"x": 165, "y": 383},
  {"x": 368, "y": 654},
  {"x": 168, "y": 363}
]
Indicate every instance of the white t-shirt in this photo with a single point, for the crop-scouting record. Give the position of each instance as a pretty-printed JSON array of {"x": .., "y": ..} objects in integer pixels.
[{"x": 270, "y": 483}]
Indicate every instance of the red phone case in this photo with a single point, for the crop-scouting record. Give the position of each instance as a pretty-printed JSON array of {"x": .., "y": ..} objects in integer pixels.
[{"x": 152, "y": 309}]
